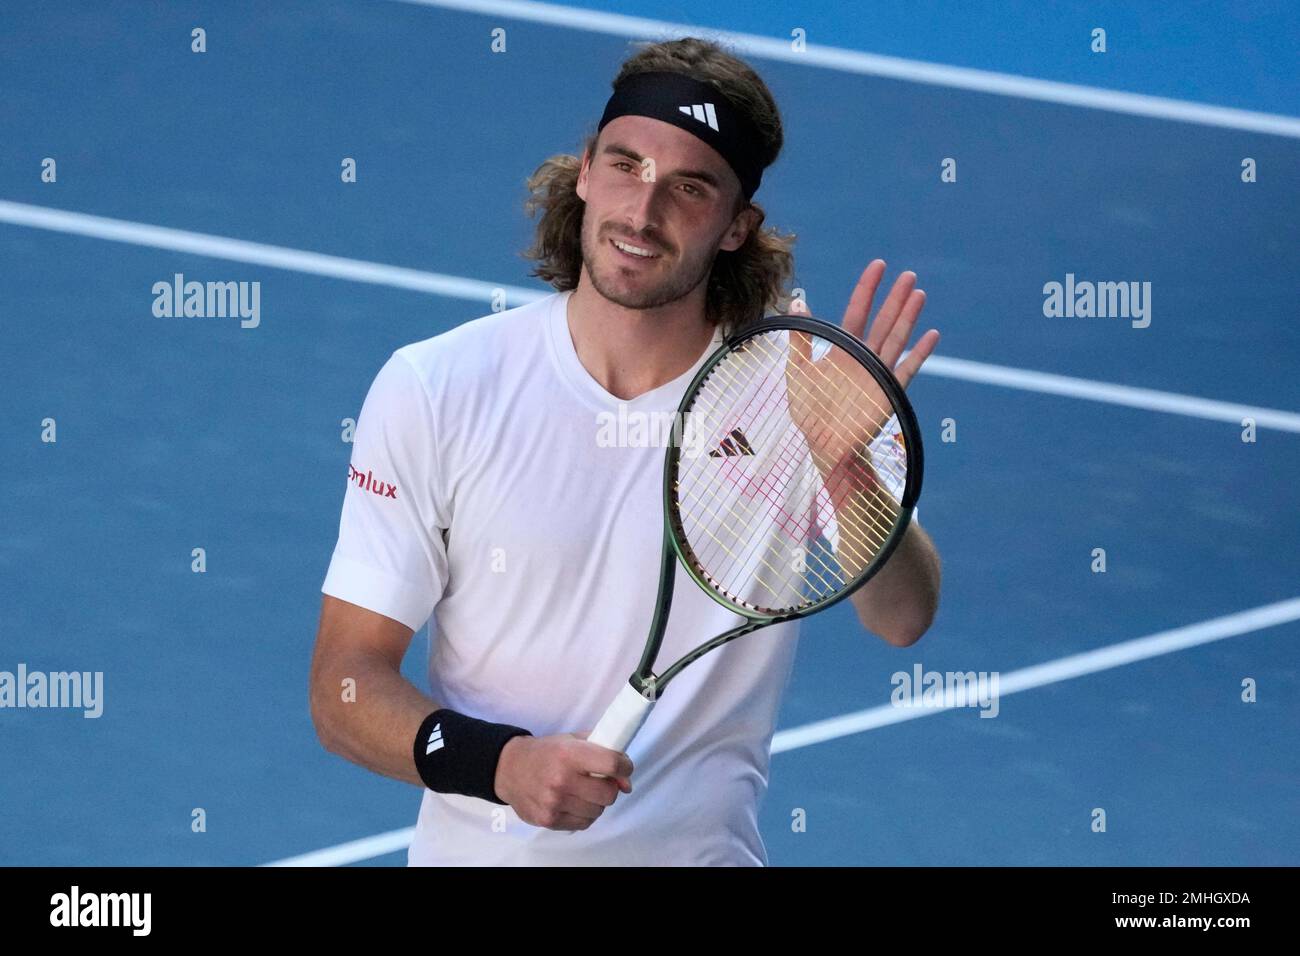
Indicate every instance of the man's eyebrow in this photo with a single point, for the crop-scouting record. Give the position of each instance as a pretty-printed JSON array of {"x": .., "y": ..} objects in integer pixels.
[{"x": 703, "y": 175}]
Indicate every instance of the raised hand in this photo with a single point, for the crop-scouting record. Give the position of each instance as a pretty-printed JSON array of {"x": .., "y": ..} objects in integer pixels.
[{"x": 892, "y": 327}]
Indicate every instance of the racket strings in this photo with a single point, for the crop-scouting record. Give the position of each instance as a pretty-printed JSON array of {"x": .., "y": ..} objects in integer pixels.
[
  {"x": 862, "y": 537},
  {"x": 887, "y": 413},
  {"x": 752, "y": 385},
  {"x": 821, "y": 569},
  {"x": 741, "y": 562},
  {"x": 883, "y": 502},
  {"x": 887, "y": 505},
  {"x": 871, "y": 542}
]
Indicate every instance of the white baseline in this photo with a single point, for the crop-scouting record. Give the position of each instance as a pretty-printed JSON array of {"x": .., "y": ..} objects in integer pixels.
[
  {"x": 459, "y": 287},
  {"x": 891, "y": 67}
]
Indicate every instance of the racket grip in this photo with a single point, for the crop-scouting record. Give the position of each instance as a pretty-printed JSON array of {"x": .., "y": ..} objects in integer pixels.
[{"x": 622, "y": 719}]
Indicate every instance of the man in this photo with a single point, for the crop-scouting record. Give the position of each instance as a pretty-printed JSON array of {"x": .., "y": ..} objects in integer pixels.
[{"x": 480, "y": 498}]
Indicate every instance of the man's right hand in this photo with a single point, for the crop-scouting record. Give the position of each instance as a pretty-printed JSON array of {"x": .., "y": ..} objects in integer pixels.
[{"x": 549, "y": 783}]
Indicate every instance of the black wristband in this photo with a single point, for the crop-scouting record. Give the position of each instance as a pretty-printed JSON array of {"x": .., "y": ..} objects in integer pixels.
[{"x": 459, "y": 754}]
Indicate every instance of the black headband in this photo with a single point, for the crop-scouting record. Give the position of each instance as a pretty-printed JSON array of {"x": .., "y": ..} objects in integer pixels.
[{"x": 698, "y": 108}]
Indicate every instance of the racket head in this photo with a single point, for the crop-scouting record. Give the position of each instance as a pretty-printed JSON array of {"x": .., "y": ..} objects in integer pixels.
[{"x": 751, "y": 504}]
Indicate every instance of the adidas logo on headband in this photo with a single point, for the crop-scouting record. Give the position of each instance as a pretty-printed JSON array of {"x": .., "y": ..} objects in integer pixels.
[
  {"x": 658, "y": 95},
  {"x": 702, "y": 112}
]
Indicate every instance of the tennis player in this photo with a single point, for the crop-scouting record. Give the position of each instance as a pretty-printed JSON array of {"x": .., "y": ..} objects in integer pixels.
[{"x": 505, "y": 487}]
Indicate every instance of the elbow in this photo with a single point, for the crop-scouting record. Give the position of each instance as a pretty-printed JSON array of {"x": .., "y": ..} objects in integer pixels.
[
  {"x": 905, "y": 629},
  {"x": 914, "y": 610},
  {"x": 911, "y": 626},
  {"x": 322, "y": 717},
  {"x": 906, "y": 633},
  {"x": 899, "y": 628}
]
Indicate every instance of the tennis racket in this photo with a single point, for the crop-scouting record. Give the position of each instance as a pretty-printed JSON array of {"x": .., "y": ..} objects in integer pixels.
[{"x": 793, "y": 473}]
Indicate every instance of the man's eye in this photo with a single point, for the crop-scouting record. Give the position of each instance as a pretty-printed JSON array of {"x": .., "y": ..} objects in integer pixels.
[
  {"x": 694, "y": 190},
  {"x": 622, "y": 163}
]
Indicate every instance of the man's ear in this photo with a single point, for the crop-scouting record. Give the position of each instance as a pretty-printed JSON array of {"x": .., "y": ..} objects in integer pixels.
[
  {"x": 746, "y": 222},
  {"x": 583, "y": 170}
]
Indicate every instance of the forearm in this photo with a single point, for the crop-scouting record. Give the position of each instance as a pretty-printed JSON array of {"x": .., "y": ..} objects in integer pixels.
[
  {"x": 899, "y": 603},
  {"x": 372, "y": 722}
]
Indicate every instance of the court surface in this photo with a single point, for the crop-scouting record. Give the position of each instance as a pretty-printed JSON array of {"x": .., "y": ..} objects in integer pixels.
[{"x": 1120, "y": 690}]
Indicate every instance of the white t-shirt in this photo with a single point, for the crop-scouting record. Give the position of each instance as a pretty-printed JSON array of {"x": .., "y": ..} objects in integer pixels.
[{"x": 484, "y": 497}]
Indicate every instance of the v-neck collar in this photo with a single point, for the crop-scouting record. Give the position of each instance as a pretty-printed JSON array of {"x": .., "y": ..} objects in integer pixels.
[{"x": 664, "y": 398}]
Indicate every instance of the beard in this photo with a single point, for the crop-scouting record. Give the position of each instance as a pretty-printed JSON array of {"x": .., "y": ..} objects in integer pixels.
[{"x": 639, "y": 291}]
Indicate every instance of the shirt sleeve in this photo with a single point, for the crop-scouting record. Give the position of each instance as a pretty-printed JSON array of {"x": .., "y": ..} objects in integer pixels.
[
  {"x": 889, "y": 458},
  {"x": 391, "y": 555}
]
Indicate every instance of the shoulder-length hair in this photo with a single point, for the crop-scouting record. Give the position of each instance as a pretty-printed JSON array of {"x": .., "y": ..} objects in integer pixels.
[{"x": 743, "y": 285}]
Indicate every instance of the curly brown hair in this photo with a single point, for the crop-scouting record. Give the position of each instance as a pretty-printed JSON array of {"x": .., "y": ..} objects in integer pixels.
[{"x": 743, "y": 285}]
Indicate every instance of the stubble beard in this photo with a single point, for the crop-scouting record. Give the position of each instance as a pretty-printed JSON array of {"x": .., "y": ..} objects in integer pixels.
[{"x": 678, "y": 284}]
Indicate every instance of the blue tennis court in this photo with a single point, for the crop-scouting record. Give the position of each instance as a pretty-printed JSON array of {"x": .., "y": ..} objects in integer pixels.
[{"x": 1159, "y": 694}]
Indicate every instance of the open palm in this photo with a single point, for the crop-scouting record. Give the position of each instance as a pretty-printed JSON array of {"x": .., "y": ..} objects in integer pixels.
[{"x": 835, "y": 402}]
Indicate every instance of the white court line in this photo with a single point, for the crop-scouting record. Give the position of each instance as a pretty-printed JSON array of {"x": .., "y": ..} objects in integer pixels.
[
  {"x": 1053, "y": 672},
  {"x": 1147, "y": 398},
  {"x": 1027, "y": 678},
  {"x": 891, "y": 67},
  {"x": 458, "y": 287},
  {"x": 366, "y": 848},
  {"x": 256, "y": 253}
]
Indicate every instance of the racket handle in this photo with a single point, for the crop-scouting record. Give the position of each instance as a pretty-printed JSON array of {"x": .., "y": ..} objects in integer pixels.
[{"x": 623, "y": 718}]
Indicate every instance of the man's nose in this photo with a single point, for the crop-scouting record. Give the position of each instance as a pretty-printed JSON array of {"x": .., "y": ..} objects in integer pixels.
[{"x": 646, "y": 207}]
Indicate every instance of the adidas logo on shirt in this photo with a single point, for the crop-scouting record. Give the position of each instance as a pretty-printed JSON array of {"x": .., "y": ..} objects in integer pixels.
[
  {"x": 435, "y": 740},
  {"x": 732, "y": 446},
  {"x": 702, "y": 112}
]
